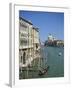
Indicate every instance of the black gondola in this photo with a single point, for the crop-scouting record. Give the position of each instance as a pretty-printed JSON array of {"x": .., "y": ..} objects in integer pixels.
[{"x": 42, "y": 72}]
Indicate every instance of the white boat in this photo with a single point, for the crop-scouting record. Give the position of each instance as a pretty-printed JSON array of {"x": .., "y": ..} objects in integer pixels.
[{"x": 60, "y": 54}]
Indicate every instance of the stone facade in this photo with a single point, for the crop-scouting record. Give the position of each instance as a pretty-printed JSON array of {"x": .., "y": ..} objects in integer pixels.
[{"x": 28, "y": 42}]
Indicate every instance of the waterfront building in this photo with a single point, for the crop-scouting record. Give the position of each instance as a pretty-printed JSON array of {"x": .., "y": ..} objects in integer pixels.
[
  {"x": 52, "y": 41},
  {"x": 28, "y": 41},
  {"x": 50, "y": 38},
  {"x": 60, "y": 43}
]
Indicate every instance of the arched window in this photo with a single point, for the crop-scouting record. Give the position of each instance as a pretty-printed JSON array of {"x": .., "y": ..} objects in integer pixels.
[{"x": 21, "y": 59}]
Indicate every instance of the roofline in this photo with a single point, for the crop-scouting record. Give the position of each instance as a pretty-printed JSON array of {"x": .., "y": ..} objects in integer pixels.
[
  {"x": 25, "y": 20},
  {"x": 36, "y": 29}
]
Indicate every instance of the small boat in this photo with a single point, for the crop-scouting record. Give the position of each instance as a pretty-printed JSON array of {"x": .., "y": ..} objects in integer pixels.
[
  {"x": 60, "y": 54},
  {"x": 42, "y": 72}
]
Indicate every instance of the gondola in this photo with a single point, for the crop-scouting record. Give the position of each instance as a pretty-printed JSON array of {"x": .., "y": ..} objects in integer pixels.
[{"x": 43, "y": 71}]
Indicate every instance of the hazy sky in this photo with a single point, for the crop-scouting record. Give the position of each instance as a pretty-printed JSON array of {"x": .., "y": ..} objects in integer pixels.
[{"x": 47, "y": 22}]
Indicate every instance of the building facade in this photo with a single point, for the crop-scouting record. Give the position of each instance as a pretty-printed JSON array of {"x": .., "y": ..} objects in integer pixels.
[
  {"x": 28, "y": 42},
  {"x": 60, "y": 43}
]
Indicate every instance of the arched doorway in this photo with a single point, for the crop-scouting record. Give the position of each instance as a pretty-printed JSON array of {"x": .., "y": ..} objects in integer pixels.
[{"x": 24, "y": 57}]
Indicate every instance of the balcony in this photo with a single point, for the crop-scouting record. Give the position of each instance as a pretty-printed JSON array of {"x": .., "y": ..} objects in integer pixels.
[{"x": 25, "y": 47}]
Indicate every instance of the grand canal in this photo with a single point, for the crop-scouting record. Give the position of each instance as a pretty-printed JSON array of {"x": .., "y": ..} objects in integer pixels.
[{"x": 53, "y": 60}]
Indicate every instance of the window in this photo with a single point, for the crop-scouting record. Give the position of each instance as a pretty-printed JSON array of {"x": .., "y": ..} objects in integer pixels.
[
  {"x": 22, "y": 25},
  {"x": 23, "y": 42},
  {"x": 24, "y": 35}
]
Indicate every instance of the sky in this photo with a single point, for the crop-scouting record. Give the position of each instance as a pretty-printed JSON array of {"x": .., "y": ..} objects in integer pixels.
[{"x": 47, "y": 22}]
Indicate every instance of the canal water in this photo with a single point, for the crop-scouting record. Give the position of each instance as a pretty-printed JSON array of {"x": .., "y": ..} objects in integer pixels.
[
  {"x": 52, "y": 59},
  {"x": 55, "y": 61}
]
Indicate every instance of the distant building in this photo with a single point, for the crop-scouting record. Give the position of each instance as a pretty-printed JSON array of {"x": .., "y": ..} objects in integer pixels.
[
  {"x": 28, "y": 41},
  {"x": 60, "y": 43},
  {"x": 52, "y": 41},
  {"x": 50, "y": 38}
]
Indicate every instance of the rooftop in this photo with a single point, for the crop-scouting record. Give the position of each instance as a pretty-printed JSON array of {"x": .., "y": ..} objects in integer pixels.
[
  {"x": 36, "y": 29},
  {"x": 25, "y": 20},
  {"x": 29, "y": 23}
]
